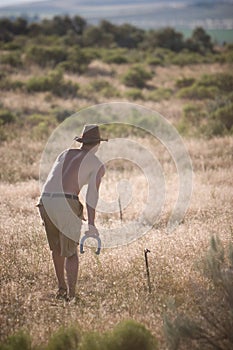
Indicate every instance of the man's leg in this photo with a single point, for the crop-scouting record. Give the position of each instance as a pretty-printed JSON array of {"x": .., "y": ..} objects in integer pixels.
[
  {"x": 72, "y": 264},
  {"x": 59, "y": 269}
]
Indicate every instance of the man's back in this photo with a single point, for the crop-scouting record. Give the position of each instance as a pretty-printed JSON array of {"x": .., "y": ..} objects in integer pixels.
[{"x": 73, "y": 169}]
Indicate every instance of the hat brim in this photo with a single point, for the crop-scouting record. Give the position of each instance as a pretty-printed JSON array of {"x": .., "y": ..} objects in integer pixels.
[{"x": 86, "y": 140}]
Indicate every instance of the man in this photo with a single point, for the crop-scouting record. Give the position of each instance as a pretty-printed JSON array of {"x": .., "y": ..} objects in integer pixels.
[{"x": 61, "y": 211}]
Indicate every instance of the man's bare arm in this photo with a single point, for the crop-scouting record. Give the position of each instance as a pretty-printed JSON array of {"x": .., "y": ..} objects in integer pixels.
[{"x": 92, "y": 197}]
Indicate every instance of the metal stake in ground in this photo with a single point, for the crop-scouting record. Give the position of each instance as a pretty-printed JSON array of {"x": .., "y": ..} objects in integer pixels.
[
  {"x": 146, "y": 251},
  {"x": 120, "y": 209}
]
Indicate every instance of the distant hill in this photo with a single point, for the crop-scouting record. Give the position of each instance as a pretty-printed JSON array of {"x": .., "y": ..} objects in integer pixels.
[{"x": 210, "y": 14}]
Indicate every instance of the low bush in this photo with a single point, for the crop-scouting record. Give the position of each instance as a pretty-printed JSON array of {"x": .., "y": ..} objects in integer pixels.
[
  {"x": 137, "y": 76},
  {"x": 134, "y": 94},
  {"x": 184, "y": 82},
  {"x": 130, "y": 335},
  {"x": 13, "y": 59},
  {"x": 53, "y": 82},
  {"x": 209, "y": 86},
  {"x": 18, "y": 341},
  {"x": 223, "y": 81},
  {"x": 6, "y": 117},
  {"x": 225, "y": 115},
  {"x": 198, "y": 92},
  {"x": 212, "y": 328},
  {"x": 64, "y": 339},
  {"x": 115, "y": 56},
  {"x": 187, "y": 57},
  {"x": 77, "y": 60},
  {"x": 8, "y": 84},
  {"x": 159, "y": 94},
  {"x": 101, "y": 87},
  {"x": 48, "y": 56},
  {"x": 127, "y": 335}
]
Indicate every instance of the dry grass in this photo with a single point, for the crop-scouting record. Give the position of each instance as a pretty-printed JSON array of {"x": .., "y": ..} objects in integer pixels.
[{"x": 113, "y": 286}]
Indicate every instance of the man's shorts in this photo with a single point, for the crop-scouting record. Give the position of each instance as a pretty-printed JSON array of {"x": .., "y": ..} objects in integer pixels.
[{"x": 62, "y": 219}]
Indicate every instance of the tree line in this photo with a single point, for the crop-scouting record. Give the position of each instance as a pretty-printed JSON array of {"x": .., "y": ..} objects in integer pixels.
[{"x": 76, "y": 30}]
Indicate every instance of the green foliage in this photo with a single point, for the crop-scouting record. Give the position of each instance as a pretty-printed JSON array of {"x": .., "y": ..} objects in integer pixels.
[
  {"x": 17, "y": 341},
  {"x": 94, "y": 341},
  {"x": 53, "y": 82},
  {"x": 117, "y": 56},
  {"x": 201, "y": 40},
  {"x": 77, "y": 60},
  {"x": 159, "y": 94},
  {"x": 40, "y": 125},
  {"x": 137, "y": 76},
  {"x": 8, "y": 84},
  {"x": 134, "y": 94},
  {"x": 46, "y": 56},
  {"x": 130, "y": 335},
  {"x": 184, "y": 82},
  {"x": 212, "y": 329},
  {"x": 101, "y": 87},
  {"x": 127, "y": 335},
  {"x": 62, "y": 114},
  {"x": 223, "y": 81},
  {"x": 186, "y": 57},
  {"x": 225, "y": 115},
  {"x": 65, "y": 338},
  {"x": 12, "y": 58},
  {"x": 167, "y": 38},
  {"x": 191, "y": 120},
  {"x": 198, "y": 92},
  {"x": 6, "y": 117},
  {"x": 214, "y": 120}
]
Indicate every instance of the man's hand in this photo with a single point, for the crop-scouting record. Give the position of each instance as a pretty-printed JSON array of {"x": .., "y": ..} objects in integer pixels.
[{"x": 92, "y": 230}]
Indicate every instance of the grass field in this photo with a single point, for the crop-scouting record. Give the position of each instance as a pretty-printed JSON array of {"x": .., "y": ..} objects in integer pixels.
[
  {"x": 113, "y": 286},
  {"x": 194, "y": 97}
]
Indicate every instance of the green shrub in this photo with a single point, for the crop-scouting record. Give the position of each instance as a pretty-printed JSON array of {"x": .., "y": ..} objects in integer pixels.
[
  {"x": 77, "y": 60},
  {"x": 35, "y": 119},
  {"x": 13, "y": 59},
  {"x": 159, "y": 94},
  {"x": 102, "y": 87},
  {"x": 94, "y": 341},
  {"x": 131, "y": 335},
  {"x": 64, "y": 339},
  {"x": 155, "y": 61},
  {"x": 8, "y": 84},
  {"x": 137, "y": 76},
  {"x": 198, "y": 92},
  {"x": 224, "y": 115},
  {"x": 46, "y": 56},
  {"x": 17, "y": 341},
  {"x": 40, "y": 125},
  {"x": 186, "y": 57},
  {"x": 223, "y": 81},
  {"x": 6, "y": 117},
  {"x": 53, "y": 82},
  {"x": 115, "y": 56},
  {"x": 127, "y": 335},
  {"x": 193, "y": 114},
  {"x": 134, "y": 94},
  {"x": 184, "y": 82},
  {"x": 212, "y": 327},
  {"x": 62, "y": 114},
  {"x": 192, "y": 120}
]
